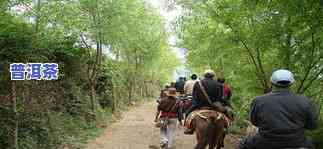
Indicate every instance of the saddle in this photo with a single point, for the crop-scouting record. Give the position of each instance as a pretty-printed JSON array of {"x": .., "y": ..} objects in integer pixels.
[{"x": 206, "y": 113}]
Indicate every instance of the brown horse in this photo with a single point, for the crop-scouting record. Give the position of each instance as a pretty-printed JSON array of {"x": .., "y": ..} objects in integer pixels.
[
  {"x": 210, "y": 131},
  {"x": 184, "y": 104}
]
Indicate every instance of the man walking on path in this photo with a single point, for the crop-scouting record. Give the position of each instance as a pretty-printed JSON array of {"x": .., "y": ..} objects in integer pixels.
[
  {"x": 168, "y": 118},
  {"x": 281, "y": 116},
  {"x": 163, "y": 94}
]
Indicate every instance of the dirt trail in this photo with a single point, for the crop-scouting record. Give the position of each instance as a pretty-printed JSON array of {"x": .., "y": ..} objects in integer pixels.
[{"x": 136, "y": 131}]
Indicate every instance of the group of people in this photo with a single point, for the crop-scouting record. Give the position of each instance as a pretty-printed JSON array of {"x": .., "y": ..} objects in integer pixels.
[
  {"x": 280, "y": 115},
  {"x": 168, "y": 110}
]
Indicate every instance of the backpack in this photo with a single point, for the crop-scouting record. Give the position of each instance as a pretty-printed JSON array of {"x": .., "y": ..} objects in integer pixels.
[{"x": 167, "y": 104}]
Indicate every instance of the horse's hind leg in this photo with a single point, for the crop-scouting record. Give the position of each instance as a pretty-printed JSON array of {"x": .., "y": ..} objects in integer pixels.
[
  {"x": 212, "y": 145},
  {"x": 201, "y": 143},
  {"x": 201, "y": 146},
  {"x": 218, "y": 137},
  {"x": 212, "y": 140},
  {"x": 221, "y": 141},
  {"x": 198, "y": 146}
]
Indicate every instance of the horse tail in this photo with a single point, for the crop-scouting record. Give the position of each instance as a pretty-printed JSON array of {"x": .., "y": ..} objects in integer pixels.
[
  {"x": 212, "y": 133},
  {"x": 209, "y": 131}
]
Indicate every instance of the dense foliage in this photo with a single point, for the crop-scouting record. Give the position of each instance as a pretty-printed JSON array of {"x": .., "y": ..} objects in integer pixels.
[
  {"x": 245, "y": 40},
  {"x": 114, "y": 53},
  {"x": 111, "y": 54}
]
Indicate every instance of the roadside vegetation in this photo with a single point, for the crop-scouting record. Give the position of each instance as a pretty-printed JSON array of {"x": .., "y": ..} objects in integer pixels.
[
  {"x": 246, "y": 40},
  {"x": 111, "y": 54}
]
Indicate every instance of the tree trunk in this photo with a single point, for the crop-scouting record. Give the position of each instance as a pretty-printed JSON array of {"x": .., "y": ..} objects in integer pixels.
[
  {"x": 93, "y": 107},
  {"x": 141, "y": 91},
  {"x": 147, "y": 89},
  {"x": 130, "y": 86},
  {"x": 14, "y": 131},
  {"x": 38, "y": 8},
  {"x": 114, "y": 99}
]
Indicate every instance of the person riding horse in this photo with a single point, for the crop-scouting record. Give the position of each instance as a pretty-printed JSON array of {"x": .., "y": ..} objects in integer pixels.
[
  {"x": 179, "y": 85},
  {"x": 186, "y": 98},
  {"x": 227, "y": 93},
  {"x": 214, "y": 91},
  {"x": 281, "y": 117},
  {"x": 188, "y": 87}
]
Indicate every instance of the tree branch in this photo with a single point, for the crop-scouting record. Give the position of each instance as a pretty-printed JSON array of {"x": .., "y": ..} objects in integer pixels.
[
  {"x": 316, "y": 76},
  {"x": 311, "y": 64}
]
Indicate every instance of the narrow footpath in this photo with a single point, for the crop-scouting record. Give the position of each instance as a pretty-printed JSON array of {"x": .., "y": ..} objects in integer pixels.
[{"x": 136, "y": 131}]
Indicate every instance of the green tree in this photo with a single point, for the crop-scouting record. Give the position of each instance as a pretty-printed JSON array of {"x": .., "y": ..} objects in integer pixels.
[
  {"x": 246, "y": 40},
  {"x": 111, "y": 53}
]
